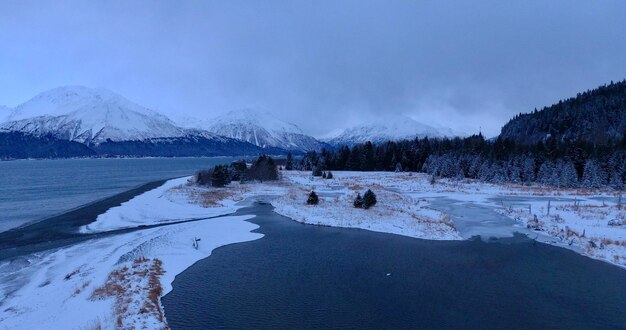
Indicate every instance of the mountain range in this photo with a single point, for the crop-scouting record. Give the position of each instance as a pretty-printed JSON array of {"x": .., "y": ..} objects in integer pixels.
[
  {"x": 259, "y": 128},
  {"x": 73, "y": 121},
  {"x": 388, "y": 128}
]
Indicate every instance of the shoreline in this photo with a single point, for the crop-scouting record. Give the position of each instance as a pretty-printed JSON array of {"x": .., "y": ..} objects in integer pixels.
[
  {"x": 129, "y": 228},
  {"x": 62, "y": 229},
  {"x": 73, "y": 271}
]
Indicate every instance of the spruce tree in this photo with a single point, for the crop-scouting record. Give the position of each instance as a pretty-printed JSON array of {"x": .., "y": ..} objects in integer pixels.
[
  {"x": 358, "y": 201},
  {"x": 313, "y": 199},
  {"x": 567, "y": 176},
  {"x": 289, "y": 162},
  {"x": 369, "y": 199},
  {"x": 545, "y": 174},
  {"x": 317, "y": 171},
  {"x": 329, "y": 175},
  {"x": 219, "y": 176},
  {"x": 593, "y": 175}
]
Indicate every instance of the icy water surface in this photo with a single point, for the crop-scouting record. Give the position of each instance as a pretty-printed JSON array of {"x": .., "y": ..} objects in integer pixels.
[
  {"x": 34, "y": 189},
  {"x": 310, "y": 277}
]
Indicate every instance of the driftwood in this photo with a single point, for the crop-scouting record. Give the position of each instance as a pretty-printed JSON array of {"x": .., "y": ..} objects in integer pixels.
[{"x": 195, "y": 242}]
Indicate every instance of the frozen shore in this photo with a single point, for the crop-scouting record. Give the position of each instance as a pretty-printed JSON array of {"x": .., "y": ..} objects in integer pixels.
[{"x": 117, "y": 281}]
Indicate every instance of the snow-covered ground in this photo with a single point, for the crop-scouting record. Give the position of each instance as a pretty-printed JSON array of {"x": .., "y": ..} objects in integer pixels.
[
  {"x": 593, "y": 226},
  {"x": 396, "y": 212},
  {"x": 409, "y": 204},
  {"x": 117, "y": 281},
  {"x": 399, "y": 213},
  {"x": 110, "y": 282}
]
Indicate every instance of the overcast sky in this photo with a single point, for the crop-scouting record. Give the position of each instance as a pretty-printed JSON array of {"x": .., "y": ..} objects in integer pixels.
[{"x": 319, "y": 64}]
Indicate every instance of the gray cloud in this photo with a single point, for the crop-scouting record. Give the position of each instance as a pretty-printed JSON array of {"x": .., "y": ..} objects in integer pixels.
[{"x": 319, "y": 64}]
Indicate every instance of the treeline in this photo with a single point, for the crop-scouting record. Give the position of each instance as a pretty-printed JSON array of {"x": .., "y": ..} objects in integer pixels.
[
  {"x": 263, "y": 169},
  {"x": 550, "y": 162}
]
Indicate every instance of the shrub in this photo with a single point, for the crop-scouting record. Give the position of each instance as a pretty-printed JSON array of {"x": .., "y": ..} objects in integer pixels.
[
  {"x": 358, "y": 201},
  {"x": 369, "y": 199},
  {"x": 323, "y": 175},
  {"x": 329, "y": 175},
  {"x": 313, "y": 199}
]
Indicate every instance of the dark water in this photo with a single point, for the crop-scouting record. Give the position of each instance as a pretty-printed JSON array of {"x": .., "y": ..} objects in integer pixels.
[
  {"x": 31, "y": 190},
  {"x": 308, "y": 277}
]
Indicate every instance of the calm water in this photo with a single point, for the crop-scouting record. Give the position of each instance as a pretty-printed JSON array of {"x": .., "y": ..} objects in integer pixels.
[
  {"x": 302, "y": 277},
  {"x": 34, "y": 189}
]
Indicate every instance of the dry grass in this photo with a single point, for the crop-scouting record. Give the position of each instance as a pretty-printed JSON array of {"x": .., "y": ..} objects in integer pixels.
[
  {"x": 612, "y": 242},
  {"x": 213, "y": 197},
  {"x": 355, "y": 187},
  {"x": 80, "y": 289},
  {"x": 125, "y": 283}
]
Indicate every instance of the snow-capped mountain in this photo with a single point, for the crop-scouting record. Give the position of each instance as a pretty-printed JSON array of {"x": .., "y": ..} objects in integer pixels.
[
  {"x": 89, "y": 116},
  {"x": 387, "y": 128},
  {"x": 259, "y": 128}
]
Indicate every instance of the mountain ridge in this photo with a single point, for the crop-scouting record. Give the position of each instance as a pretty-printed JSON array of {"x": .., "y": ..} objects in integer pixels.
[
  {"x": 262, "y": 129},
  {"x": 596, "y": 116},
  {"x": 387, "y": 128}
]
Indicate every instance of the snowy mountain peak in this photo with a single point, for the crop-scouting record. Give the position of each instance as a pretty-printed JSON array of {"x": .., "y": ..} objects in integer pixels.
[
  {"x": 89, "y": 116},
  {"x": 251, "y": 117},
  {"x": 259, "y": 128},
  {"x": 386, "y": 128},
  {"x": 66, "y": 99}
]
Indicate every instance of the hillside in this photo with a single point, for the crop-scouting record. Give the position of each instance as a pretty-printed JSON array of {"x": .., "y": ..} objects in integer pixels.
[
  {"x": 17, "y": 145},
  {"x": 596, "y": 116}
]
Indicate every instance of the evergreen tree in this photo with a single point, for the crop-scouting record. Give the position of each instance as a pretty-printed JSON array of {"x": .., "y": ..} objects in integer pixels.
[
  {"x": 219, "y": 176},
  {"x": 358, "y": 201},
  {"x": 593, "y": 175},
  {"x": 354, "y": 162},
  {"x": 367, "y": 164},
  {"x": 313, "y": 198},
  {"x": 545, "y": 175},
  {"x": 289, "y": 162},
  {"x": 567, "y": 176},
  {"x": 515, "y": 174},
  {"x": 263, "y": 169},
  {"x": 317, "y": 171},
  {"x": 528, "y": 170},
  {"x": 369, "y": 199},
  {"x": 329, "y": 175},
  {"x": 323, "y": 175}
]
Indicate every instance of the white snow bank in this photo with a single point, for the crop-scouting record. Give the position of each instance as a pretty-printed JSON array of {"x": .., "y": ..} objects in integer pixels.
[
  {"x": 170, "y": 202},
  {"x": 59, "y": 284}
]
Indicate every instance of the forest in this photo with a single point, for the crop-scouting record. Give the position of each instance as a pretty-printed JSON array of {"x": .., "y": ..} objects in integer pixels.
[{"x": 554, "y": 163}]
